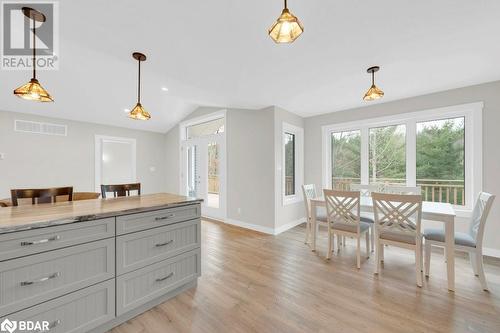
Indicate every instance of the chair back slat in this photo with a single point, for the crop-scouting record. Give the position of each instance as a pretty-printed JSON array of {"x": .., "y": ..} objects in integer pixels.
[
  {"x": 41, "y": 195},
  {"x": 342, "y": 206},
  {"x": 309, "y": 191},
  {"x": 398, "y": 213},
  {"x": 479, "y": 216},
  {"x": 397, "y": 189},
  {"x": 366, "y": 190},
  {"x": 120, "y": 190}
]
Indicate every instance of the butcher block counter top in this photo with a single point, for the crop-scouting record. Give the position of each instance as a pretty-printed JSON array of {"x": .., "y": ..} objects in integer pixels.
[{"x": 43, "y": 215}]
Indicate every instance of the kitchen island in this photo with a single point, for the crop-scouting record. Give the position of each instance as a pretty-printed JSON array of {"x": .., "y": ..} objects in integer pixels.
[{"x": 87, "y": 266}]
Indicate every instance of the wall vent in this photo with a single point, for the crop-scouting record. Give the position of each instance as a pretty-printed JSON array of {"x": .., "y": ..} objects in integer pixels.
[{"x": 40, "y": 128}]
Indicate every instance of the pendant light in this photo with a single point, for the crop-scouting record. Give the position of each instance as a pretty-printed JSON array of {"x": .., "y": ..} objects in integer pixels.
[
  {"x": 33, "y": 90},
  {"x": 138, "y": 112},
  {"x": 374, "y": 92},
  {"x": 287, "y": 27}
]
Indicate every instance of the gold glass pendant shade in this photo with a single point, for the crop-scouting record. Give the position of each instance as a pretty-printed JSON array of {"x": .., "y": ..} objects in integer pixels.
[
  {"x": 139, "y": 113},
  {"x": 287, "y": 27},
  {"x": 33, "y": 90},
  {"x": 374, "y": 92}
]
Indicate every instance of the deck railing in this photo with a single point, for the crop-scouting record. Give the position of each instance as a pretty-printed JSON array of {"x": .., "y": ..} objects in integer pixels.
[{"x": 436, "y": 190}]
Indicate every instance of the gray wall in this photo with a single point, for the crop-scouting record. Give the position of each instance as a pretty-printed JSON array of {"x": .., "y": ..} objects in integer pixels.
[
  {"x": 250, "y": 157},
  {"x": 35, "y": 160},
  {"x": 488, "y": 93}
]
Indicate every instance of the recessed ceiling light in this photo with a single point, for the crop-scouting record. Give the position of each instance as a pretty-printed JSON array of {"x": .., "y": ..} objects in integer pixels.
[{"x": 164, "y": 88}]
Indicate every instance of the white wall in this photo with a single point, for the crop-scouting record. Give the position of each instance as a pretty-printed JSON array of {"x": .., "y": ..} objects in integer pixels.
[
  {"x": 488, "y": 93},
  {"x": 35, "y": 160}
]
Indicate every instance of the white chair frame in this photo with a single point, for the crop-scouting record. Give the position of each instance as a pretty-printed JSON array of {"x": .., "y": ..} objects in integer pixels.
[
  {"x": 366, "y": 191},
  {"x": 309, "y": 191},
  {"x": 397, "y": 212},
  {"x": 344, "y": 206},
  {"x": 476, "y": 230}
]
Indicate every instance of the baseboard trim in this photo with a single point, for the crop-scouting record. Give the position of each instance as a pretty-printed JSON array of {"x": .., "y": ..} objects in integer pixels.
[
  {"x": 289, "y": 226},
  {"x": 491, "y": 252}
]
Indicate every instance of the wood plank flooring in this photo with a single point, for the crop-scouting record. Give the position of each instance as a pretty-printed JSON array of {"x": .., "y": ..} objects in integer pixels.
[{"x": 253, "y": 282}]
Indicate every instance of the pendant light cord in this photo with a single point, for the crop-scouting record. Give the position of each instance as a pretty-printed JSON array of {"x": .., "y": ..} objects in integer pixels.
[
  {"x": 139, "y": 84},
  {"x": 34, "y": 49},
  {"x": 286, "y": 4},
  {"x": 373, "y": 78}
]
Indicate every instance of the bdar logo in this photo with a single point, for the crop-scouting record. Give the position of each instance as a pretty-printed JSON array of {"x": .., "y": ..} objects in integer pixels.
[{"x": 8, "y": 326}]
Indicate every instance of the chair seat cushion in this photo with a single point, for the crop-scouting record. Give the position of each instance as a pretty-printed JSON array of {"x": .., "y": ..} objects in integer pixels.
[
  {"x": 367, "y": 217},
  {"x": 350, "y": 227},
  {"x": 400, "y": 237},
  {"x": 438, "y": 235}
]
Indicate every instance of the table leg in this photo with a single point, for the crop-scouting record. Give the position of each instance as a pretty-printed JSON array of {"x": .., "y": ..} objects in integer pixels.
[
  {"x": 449, "y": 227},
  {"x": 313, "y": 225}
]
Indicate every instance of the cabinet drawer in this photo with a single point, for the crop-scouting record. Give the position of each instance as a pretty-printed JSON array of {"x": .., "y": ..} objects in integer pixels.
[
  {"x": 141, "y": 221},
  {"x": 141, "y": 286},
  {"x": 34, "y": 279},
  {"x": 22, "y": 243},
  {"x": 143, "y": 248},
  {"x": 78, "y": 312}
]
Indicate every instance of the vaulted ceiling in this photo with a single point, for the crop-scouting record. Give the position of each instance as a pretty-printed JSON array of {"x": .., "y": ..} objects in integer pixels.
[{"x": 218, "y": 53}]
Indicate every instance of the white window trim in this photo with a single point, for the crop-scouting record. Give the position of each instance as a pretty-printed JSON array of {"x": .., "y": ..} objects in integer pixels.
[
  {"x": 200, "y": 120},
  {"x": 99, "y": 139},
  {"x": 473, "y": 145},
  {"x": 299, "y": 163}
]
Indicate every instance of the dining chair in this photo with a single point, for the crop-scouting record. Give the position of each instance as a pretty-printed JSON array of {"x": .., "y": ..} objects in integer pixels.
[
  {"x": 398, "y": 220},
  {"x": 41, "y": 195},
  {"x": 120, "y": 190},
  {"x": 366, "y": 191},
  {"x": 401, "y": 189},
  {"x": 470, "y": 242},
  {"x": 78, "y": 196},
  {"x": 342, "y": 213},
  {"x": 309, "y": 191}
]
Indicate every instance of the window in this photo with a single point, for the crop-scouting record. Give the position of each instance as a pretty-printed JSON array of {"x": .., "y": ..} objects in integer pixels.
[
  {"x": 346, "y": 159},
  {"x": 292, "y": 165},
  {"x": 388, "y": 155},
  {"x": 439, "y": 150},
  {"x": 289, "y": 164},
  {"x": 441, "y": 160},
  {"x": 215, "y": 126}
]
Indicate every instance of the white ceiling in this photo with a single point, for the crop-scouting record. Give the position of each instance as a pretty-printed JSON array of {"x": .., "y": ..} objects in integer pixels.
[{"x": 218, "y": 53}]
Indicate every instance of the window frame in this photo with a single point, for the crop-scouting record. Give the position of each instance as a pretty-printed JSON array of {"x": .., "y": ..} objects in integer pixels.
[
  {"x": 472, "y": 113},
  {"x": 298, "y": 132}
]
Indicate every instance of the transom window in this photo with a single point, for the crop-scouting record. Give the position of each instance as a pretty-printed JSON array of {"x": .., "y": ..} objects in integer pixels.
[{"x": 439, "y": 150}]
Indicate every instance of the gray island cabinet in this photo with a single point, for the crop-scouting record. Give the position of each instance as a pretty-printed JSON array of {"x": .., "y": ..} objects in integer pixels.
[{"x": 87, "y": 266}]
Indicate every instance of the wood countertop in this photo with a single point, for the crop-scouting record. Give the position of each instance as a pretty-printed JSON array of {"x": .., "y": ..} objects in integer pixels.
[{"x": 43, "y": 215}]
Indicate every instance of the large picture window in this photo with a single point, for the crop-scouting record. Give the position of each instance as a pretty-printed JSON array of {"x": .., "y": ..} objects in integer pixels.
[{"x": 439, "y": 150}]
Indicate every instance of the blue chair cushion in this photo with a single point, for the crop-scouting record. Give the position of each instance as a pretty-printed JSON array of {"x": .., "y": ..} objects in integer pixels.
[
  {"x": 366, "y": 218},
  {"x": 460, "y": 237},
  {"x": 350, "y": 227}
]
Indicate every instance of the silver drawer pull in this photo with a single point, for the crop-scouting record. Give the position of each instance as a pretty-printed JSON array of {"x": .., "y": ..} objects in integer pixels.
[
  {"x": 166, "y": 277},
  {"x": 41, "y": 241},
  {"x": 44, "y": 279},
  {"x": 51, "y": 326},
  {"x": 164, "y": 244},
  {"x": 164, "y": 217}
]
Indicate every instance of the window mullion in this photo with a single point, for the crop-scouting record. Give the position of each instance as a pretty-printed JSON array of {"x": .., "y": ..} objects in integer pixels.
[
  {"x": 365, "y": 155},
  {"x": 411, "y": 153}
]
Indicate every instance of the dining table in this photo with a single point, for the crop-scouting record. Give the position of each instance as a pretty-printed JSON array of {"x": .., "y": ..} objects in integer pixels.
[{"x": 432, "y": 211}]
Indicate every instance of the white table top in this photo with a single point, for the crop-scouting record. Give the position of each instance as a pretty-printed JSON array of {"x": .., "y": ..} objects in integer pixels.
[{"x": 428, "y": 207}]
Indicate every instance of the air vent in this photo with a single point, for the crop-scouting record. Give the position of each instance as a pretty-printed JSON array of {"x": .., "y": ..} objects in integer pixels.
[{"x": 40, "y": 128}]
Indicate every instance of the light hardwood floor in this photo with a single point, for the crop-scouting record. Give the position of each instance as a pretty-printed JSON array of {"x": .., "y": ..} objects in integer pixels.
[{"x": 253, "y": 282}]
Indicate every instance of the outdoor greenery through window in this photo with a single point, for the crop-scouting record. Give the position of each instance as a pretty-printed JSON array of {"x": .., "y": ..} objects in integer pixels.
[
  {"x": 388, "y": 155},
  {"x": 289, "y": 163},
  {"x": 441, "y": 160},
  {"x": 346, "y": 159}
]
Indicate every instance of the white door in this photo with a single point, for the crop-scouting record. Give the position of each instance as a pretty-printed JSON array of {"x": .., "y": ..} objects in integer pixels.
[
  {"x": 115, "y": 161},
  {"x": 202, "y": 173}
]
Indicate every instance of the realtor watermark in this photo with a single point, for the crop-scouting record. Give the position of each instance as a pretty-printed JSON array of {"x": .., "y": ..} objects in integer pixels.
[
  {"x": 17, "y": 36},
  {"x": 12, "y": 326}
]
